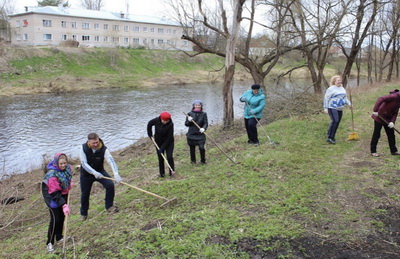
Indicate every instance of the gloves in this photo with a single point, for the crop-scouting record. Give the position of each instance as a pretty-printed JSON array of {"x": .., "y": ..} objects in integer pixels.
[
  {"x": 160, "y": 151},
  {"x": 202, "y": 130},
  {"x": 326, "y": 110},
  {"x": 391, "y": 125},
  {"x": 117, "y": 178},
  {"x": 190, "y": 118},
  {"x": 243, "y": 99},
  {"x": 375, "y": 113},
  {"x": 98, "y": 175},
  {"x": 66, "y": 209}
]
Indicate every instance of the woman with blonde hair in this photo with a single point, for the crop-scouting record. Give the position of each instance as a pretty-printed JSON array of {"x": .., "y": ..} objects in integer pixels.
[{"x": 334, "y": 102}]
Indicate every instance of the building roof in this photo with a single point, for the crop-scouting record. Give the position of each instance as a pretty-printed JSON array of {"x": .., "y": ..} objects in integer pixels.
[{"x": 92, "y": 14}]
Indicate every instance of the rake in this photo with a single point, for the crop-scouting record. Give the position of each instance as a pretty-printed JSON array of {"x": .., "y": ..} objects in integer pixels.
[
  {"x": 197, "y": 125},
  {"x": 353, "y": 135},
  {"x": 271, "y": 142},
  {"x": 167, "y": 201},
  {"x": 165, "y": 159}
]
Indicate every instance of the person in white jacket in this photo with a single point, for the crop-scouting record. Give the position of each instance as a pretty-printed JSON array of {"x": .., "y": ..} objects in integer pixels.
[
  {"x": 92, "y": 156},
  {"x": 334, "y": 101}
]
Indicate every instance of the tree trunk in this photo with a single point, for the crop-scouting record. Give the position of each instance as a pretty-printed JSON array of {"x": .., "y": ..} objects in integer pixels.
[{"x": 227, "y": 94}]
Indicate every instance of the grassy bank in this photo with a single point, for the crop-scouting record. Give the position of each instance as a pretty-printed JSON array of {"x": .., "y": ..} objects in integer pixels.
[
  {"x": 36, "y": 70},
  {"x": 302, "y": 198}
]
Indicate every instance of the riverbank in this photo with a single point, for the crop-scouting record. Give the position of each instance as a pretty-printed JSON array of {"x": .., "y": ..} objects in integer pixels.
[{"x": 302, "y": 198}]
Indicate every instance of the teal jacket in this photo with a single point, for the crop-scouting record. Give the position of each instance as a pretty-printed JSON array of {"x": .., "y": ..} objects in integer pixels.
[{"x": 255, "y": 104}]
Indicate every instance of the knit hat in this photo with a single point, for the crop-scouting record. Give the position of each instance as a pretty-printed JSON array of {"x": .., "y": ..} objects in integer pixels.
[
  {"x": 165, "y": 116},
  {"x": 197, "y": 102},
  {"x": 255, "y": 86}
]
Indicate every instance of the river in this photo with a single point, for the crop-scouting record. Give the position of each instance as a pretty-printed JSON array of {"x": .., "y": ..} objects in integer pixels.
[{"x": 37, "y": 126}]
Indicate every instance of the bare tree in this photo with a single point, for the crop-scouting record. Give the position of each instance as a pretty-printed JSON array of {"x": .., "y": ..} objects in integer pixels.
[
  {"x": 6, "y": 8},
  {"x": 92, "y": 4}
]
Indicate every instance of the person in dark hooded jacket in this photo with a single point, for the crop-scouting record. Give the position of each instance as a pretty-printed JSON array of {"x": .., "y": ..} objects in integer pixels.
[
  {"x": 384, "y": 114},
  {"x": 195, "y": 135},
  {"x": 164, "y": 137},
  {"x": 56, "y": 185}
]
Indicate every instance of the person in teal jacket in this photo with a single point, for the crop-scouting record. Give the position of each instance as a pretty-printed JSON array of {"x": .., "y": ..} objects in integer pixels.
[{"x": 254, "y": 100}]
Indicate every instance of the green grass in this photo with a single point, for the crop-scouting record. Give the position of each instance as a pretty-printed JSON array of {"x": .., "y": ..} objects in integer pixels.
[{"x": 273, "y": 195}]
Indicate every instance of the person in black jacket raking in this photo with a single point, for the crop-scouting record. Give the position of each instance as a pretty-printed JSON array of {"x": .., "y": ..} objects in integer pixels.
[
  {"x": 195, "y": 135},
  {"x": 164, "y": 137}
]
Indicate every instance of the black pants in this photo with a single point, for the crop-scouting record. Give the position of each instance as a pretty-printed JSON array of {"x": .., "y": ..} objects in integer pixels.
[
  {"x": 377, "y": 134},
  {"x": 87, "y": 181},
  {"x": 336, "y": 117},
  {"x": 56, "y": 225},
  {"x": 168, "y": 152},
  {"x": 202, "y": 152},
  {"x": 251, "y": 129}
]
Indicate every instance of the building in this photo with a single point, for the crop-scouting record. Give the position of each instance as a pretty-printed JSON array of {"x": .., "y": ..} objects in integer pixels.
[{"x": 51, "y": 26}]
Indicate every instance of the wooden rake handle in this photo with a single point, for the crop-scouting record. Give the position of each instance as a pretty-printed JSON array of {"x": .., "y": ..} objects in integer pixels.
[
  {"x": 385, "y": 121},
  {"x": 163, "y": 156},
  {"x": 197, "y": 125},
  {"x": 139, "y": 189}
]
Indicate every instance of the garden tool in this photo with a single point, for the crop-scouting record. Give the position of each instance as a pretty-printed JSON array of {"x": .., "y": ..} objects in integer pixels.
[
  {"x": 385, "y": 121},
  {"x": 167, "y": 201},
  {"x": 65, "y": 230},
  {"x": 271, "y": 142},
  {"x": 163, "y": 156},
  {"x": 197, "y": 125},
  {"x": 353, "y": 135}
]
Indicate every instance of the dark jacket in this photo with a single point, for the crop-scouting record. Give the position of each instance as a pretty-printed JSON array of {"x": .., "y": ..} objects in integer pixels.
[
  {"x": 164, "y": 133},
  {"x": 201, "y": 119},
  {"x": 387, "y": 107},
  {"x": 96, "y": 159},
  {"x": 59, "y": 198}
]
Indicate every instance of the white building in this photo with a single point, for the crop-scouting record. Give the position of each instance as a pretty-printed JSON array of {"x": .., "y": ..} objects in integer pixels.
[{"x": 50, "y": 26}]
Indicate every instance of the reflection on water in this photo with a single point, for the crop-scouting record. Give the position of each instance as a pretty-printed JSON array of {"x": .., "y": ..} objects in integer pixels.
[{"x": 35, "y": 126}]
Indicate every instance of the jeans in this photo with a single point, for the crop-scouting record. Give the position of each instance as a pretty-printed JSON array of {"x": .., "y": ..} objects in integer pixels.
[
  {"x": 336, "y": 117},
  {"x": 87, "y": 181},
  {"x": 251, "y": 129},
  {"x": 377, "y": 134}
]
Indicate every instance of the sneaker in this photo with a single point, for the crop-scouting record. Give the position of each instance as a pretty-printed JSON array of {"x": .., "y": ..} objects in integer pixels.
[
  {"x": 113, "y": 209},
  {"x": 50, "y": 248},
  {"x": 256, "y": 144},
  {"x": 395, "y": 154},
  {"x": 331, "y": 141},
  {"x": 60, "y": 241},
  {"x": 83, "y": 217},
  {"x": 374, "y": 154}
]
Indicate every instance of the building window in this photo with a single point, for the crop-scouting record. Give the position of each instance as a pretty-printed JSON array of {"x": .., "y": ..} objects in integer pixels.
[
  {"x": 85, "y": 25},
  {"x": 47, "y": 23},
  {"x": 160, "y": 41},
  {"x": 105, "y": 26},
  {"x": 25, "y": 37},
  {"x": 168, "y": 42},
  {"x": 105, "y": 38},
  {"x": 25, "y": 23},
  {"x": 18, "y": 36},
  {"x": 168, "y": 31},
  {"x": 144, "y": 29},
  {"x": 64, "y": 24},
  {"x": 73, "y": 25},
  {"x": 136, "y": 40},
  {"x": 115, "y": 27},
  {"x": 126, "y": 40},
  {"x": 47, "y": 36},
  {"x": 160, "y": 31},
  {"x": 126, "y": 28},
  {"x": 18, "y": 23},
  {"x": 85, "y": 38},
  {"x": 96, "y": 26},
  {"x": 152, "y": 41},
  {"x": 136, "y": 29},
  {"x": 115, "y": 39},
  {"x": 74, "y": 37},
  {"x": 144, "y": 41},
  {"x": 184, "y": 43},
  {"x": 64, "y": 37},
  {"x": 151, "y": 29},
  {"x": 97, "y": 38},
  {"x": 174, "y": 31}
]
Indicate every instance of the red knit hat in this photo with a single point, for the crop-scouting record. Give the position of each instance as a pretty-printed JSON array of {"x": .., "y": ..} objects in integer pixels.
[{"x": 165, "y": 116}]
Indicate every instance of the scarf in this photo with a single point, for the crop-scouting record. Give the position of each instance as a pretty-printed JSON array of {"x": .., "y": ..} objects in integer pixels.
[{"x": 64, "y": 177}]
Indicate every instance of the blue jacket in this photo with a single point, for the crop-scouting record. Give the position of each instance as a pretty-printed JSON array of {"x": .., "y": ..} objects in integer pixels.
[{"x": 255, "y": 101}]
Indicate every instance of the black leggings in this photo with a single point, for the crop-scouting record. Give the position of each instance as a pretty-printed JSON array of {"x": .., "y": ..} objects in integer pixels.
[
  {"x": 377, "y": 134},
  {"x": 168, "y": 153},
  {"x": 56, "y": 225}
]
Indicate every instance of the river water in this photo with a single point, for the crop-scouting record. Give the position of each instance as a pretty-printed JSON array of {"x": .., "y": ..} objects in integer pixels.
[{"x": 34, "y": 126}]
